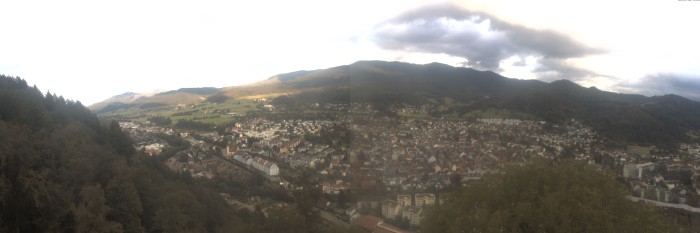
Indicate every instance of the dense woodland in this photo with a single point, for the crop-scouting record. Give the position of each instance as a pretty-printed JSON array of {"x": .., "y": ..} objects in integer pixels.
[{"x": 62, "y": 170}]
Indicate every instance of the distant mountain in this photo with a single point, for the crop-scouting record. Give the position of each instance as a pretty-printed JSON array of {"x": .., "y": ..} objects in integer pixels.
[
  {"x": 624, "y": 117},
  {"x": 154, "y": 98},
  {"x": 634, "y": 118},
  {"x": 196, "y": 90}
]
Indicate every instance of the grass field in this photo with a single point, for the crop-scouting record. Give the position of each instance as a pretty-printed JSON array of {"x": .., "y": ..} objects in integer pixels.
[{"x": 212, "y": 113}]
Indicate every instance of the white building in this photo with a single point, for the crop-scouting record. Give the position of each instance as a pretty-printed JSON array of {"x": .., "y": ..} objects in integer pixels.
[
  {"x": 423, "y": 199},
  {"x": 391, "y": 209},
  {"x": 271, "y": 169},
  {"x": 637, "y": 171}
]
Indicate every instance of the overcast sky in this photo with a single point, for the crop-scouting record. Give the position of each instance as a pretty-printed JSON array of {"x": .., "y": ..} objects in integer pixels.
[{"x": 91, "y": 50}]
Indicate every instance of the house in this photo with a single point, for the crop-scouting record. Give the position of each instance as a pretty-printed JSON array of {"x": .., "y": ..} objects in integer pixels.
[
  {"x": 271, "y": 169},
  {"x": 241, "y": 158},
  {"x": 231, "y": 150}
]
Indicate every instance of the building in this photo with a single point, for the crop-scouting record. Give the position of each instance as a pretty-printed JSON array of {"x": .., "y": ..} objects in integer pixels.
[
  {"x": 271, "y": 169},
  {"x": 260, "y": 164},
  {"x": 404, "y": 200},
  {"x": 231, "y": 150},
  {"x": 423, "y": 199},
  {"x": 637, "y": 171},
  {"x": 391, "y": 209},
  {"x": 241, "y": 158},
  {"x": 632, "y": 171}
]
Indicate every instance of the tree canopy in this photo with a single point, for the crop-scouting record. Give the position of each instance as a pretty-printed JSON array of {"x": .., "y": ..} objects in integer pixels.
[{"x": 545, "y": 196}]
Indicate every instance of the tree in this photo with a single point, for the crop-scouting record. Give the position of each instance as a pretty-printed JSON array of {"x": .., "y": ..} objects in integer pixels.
[
  {"x": 456, "y": 180},
  {"x": 91, "y": 211},
  {"x": 545, "y": 196},
  {"x": 160, "y": 120},
  {"x": 123, "y": 198},
  {"x": 285, "y": 219},
  {"x": 56, "y": 157},
  {"x": 119, "y": 140},
  {"x": 306, "y": 199},
  {"x": 170, "y": 219}
]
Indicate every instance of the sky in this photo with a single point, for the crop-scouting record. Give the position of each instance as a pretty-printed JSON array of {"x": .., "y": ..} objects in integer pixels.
[{"x": 91, "y": 50}]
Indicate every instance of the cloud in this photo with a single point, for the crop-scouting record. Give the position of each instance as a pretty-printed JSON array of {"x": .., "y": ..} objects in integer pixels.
[
  {"x": 665, "y": 83},
  {"x": 551, "y": 69},
  {"x": 482, "y": 39}
]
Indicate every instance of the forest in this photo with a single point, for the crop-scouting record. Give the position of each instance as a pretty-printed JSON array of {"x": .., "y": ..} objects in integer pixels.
[{"x": 547, "y": 196}]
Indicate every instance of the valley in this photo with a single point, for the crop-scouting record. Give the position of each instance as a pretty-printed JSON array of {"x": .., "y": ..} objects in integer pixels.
[{"x": 379, "y": 150}]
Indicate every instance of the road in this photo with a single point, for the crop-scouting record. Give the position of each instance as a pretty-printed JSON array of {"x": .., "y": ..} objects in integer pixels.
[{"x": 666, "y": 205}]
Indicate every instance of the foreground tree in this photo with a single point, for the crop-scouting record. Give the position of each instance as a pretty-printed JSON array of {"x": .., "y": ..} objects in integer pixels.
[
  {"x": 545, "y": 196},
  {"x": 61, "y": 170}
]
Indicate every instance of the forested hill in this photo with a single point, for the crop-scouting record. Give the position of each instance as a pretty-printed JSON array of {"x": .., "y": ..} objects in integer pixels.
[{"x": 61, "y": 170}]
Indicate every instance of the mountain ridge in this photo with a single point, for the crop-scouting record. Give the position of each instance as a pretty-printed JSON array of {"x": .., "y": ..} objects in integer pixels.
[{"x": 630, "y": 117}]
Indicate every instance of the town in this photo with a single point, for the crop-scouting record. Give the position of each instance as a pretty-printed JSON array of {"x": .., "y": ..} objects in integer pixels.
[{"x": 377, "y": 171}]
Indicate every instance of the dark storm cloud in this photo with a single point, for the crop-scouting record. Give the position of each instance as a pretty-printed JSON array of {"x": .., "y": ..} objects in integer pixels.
[
  {"x": 449, "y": 29},
  {"x": 667, "y": 83}
]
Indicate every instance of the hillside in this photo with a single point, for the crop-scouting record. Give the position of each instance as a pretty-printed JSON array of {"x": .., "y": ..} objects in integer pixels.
[
  {"x": 182, "y": 96},
  {"x": 64, "y": 171},
  {"x": 462, "y": 93},
  {"x": 374, "y": 80}
]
